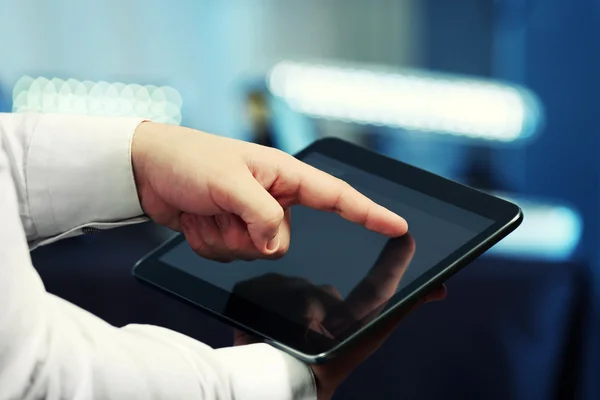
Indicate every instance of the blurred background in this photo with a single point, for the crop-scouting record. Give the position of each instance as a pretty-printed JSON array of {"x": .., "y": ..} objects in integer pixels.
[{"x": 499, "y": 94}]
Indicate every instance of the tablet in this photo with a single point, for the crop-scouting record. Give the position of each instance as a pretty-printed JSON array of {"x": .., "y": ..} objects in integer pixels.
[{"x": 338, "y": 279}]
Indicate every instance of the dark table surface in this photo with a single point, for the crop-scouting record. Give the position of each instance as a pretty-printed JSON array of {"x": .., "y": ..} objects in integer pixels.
[{"x": 508, "y": 329}]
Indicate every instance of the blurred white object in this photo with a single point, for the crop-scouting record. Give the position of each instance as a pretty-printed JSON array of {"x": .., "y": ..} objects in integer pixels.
[
  {"x": 549, "y": 232},
  {"x": 160, "y": 104},
  {"x": 408, "y": 99}
]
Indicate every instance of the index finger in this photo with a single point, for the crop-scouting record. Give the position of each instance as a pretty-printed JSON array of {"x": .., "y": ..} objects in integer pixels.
[{"x": 321, "y": 191}]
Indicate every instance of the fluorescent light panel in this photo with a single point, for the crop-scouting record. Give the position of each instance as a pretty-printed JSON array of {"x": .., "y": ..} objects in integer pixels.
[
  {"x": 159, "y": 104},
  {"x": 410, "y": 100}
]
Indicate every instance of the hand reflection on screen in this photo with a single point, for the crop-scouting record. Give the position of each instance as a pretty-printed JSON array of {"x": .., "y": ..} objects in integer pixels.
[{"x": 322, "y": 308}]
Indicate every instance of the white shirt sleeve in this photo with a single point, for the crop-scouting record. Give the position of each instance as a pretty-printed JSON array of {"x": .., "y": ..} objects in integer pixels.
[
  {"x": 71, "y": 172},
  {"x": 58, "y": 174}
]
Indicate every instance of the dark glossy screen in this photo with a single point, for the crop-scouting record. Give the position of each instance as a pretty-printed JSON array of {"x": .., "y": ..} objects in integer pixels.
[{"x": 338, "y": 275}]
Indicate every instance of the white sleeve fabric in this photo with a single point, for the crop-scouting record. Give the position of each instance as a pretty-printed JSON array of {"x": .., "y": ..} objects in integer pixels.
[
  {"x": 71, "y": 172},
  {"x": 56, "y": 176}
]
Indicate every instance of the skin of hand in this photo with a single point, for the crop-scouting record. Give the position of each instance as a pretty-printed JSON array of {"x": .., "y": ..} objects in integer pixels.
[
  {"x": 231, "y": 199},
  {"x": 322, "y": 309}
]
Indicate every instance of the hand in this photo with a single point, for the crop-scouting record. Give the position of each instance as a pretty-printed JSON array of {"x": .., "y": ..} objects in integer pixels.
[
  {"x": 232, "y": 199},
  {"x": 322, "y": 309}
]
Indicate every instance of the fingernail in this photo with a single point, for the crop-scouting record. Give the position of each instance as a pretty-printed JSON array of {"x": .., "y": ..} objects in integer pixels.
[
  {"x": 273, "y": 244},
  {"x": 222, "y": 220}
]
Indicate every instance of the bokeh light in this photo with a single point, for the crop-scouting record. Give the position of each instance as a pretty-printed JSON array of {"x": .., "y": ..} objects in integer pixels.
[
  {"x": 159, "y": 104},
  {"x": 411, "y": 100},
  {"x": 549, "y": 232}
]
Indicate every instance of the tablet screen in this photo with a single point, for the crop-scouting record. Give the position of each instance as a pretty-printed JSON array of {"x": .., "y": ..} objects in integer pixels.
[{"x": 337, "y": 262}]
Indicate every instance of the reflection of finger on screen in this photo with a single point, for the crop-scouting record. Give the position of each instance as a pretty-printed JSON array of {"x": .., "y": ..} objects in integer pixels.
[
  {"x": 383, "y": 279},
  {"x": 318, "y": 327},
  {"x": 395, "y": 257}
]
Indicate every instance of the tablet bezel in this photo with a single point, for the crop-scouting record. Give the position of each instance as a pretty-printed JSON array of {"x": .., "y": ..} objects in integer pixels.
[{"x": 292, "y": 337}]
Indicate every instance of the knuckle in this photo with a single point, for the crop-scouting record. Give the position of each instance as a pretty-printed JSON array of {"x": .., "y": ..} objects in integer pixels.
[
  {"x": 342, "y": 192},
  {"x": 204, "y": 251},
  {"x": 197, "y": 245},
  {"x": 211, "y": 239},
  {"x": 273, "y": 218},
  {"x": 366, "y": 220}
]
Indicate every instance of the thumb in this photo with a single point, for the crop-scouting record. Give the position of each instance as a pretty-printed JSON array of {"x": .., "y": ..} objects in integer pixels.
[{"x": 259, "y": 210}]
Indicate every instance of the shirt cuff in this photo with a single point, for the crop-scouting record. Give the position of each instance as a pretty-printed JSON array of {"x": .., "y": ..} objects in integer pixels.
[
  {"x": 78, "y": 170},
  {"x": 261, "y": 372}
]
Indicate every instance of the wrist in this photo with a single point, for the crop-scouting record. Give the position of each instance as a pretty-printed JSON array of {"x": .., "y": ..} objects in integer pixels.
[{"x": 140, "y": 144}]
